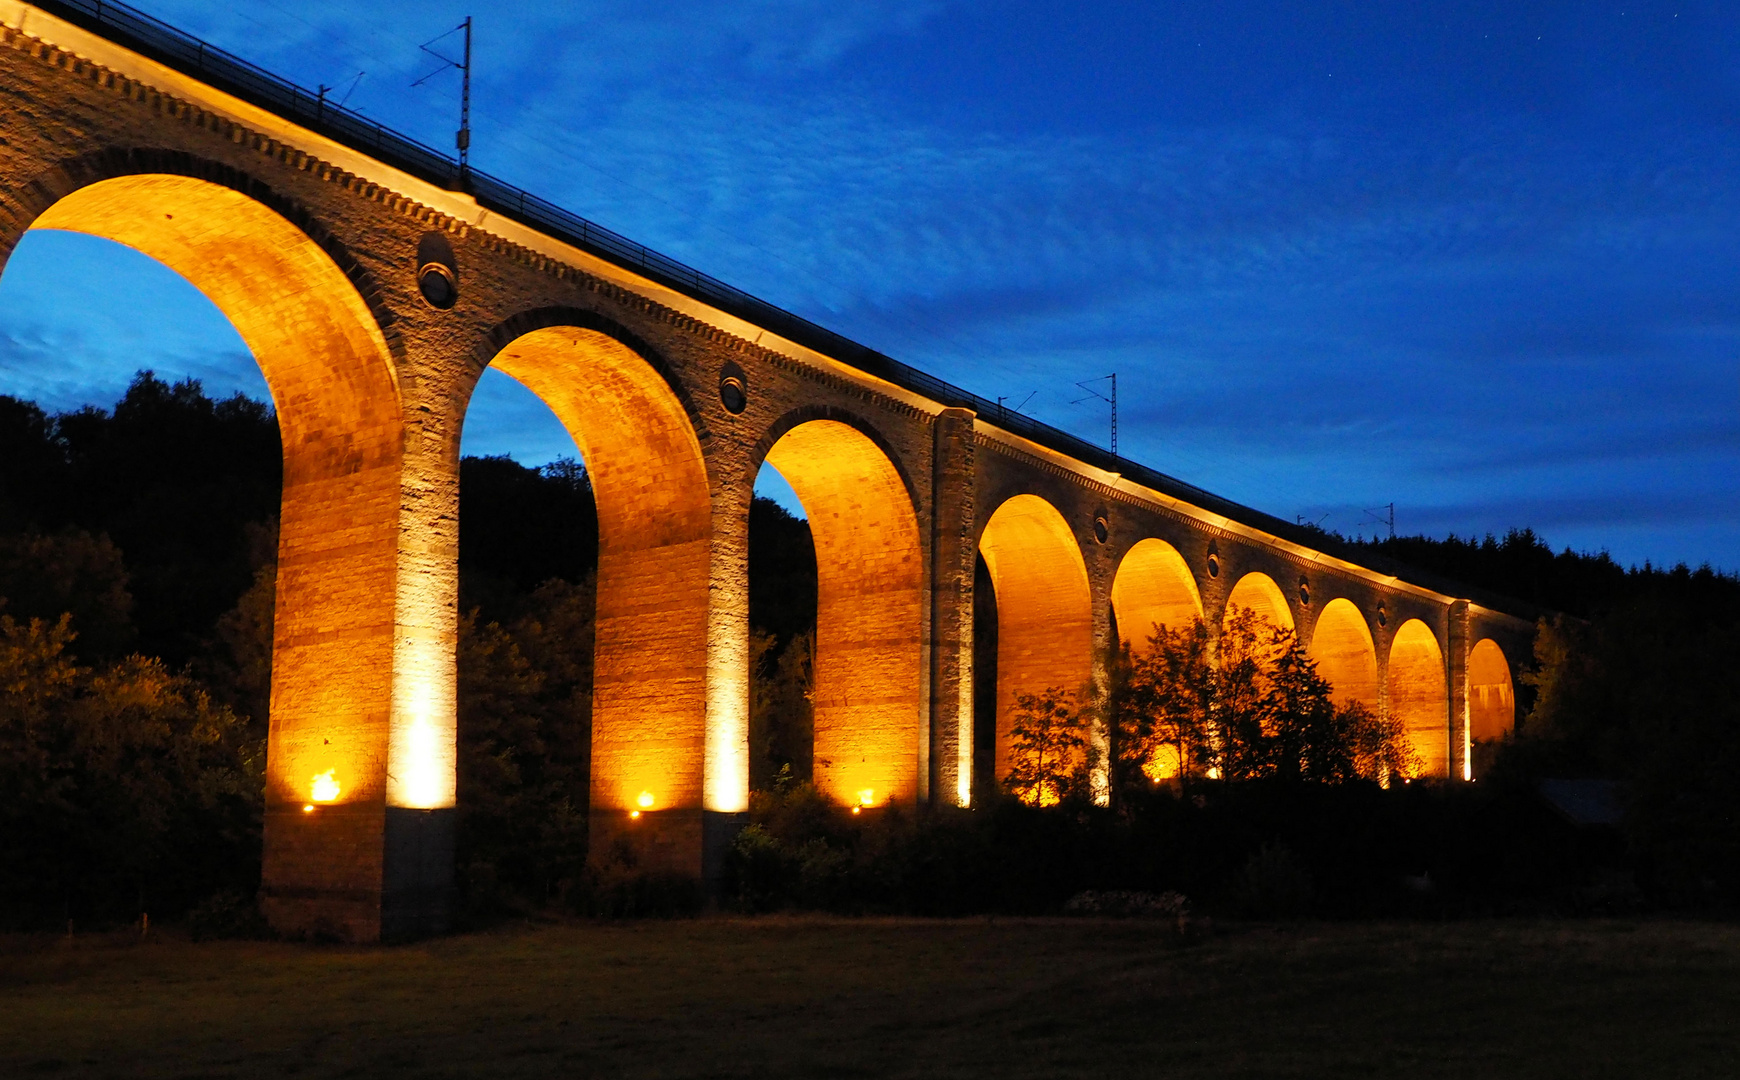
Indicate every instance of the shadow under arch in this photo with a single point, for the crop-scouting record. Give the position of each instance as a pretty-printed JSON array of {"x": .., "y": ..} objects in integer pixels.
[
  {"x": 1153, "y": 588},
  {"x": 1491, "y": 695},
  {"x": 1258, "y": 592},
  {"x": 1341, "y": 643},
  {"x": 869, "y": 688},
  {"x": 357, "y": 677},
  {"x": 1419, "y": 695},
  {"x": 650, "y": 668},
  {"x": 1044, "y": 607}
]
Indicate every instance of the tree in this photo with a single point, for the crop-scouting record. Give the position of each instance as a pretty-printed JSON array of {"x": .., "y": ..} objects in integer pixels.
[
  {"x": 71, "y": 572},
  {"x": 782, "y": 645},
  {"x": 1246, "y": 655},
  {"x": 781, "y": 713},
  {"x": 525, "y": 693},
  {"x": 122, "y": 789},
  {"x": 1311, "y": 737},
  {"x": 1049, "y": 757},
  {"x": 1648, "y": 694},
  {"x": 1162, "y": 704},
  {"x": 1251, "y": 705},
  {"x": 520, "y": 527}
]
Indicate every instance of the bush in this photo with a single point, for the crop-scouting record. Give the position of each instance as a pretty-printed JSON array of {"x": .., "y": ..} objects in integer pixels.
[
  {"x": 1275, "y": 884},
  {"x": 1258, "y": 848},
  {"x": 616, "y": 887},
  {"x": 1129, "y": 904},
  {"x": 122, "y": 789},
  {"x": 228, "y": 915}
]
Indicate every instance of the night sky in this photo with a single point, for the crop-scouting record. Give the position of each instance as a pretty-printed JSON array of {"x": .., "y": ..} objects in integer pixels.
[{"x": 1481, "y": 260}]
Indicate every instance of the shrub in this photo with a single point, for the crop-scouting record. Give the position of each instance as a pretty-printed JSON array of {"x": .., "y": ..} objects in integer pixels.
[
  {"x": 227, "y": 915},
  {"x": 616, "y": 887},
  {"x": 1275, "y": 884},
  {"x": 1049, "y": 758},
  {"x": 122, "y": 789}
]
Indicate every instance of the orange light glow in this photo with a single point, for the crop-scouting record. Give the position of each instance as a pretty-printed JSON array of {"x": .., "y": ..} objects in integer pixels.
[
  {"x": 308, "y": 809},
  {"x": 324, "y": 787},
  {"x": 1341, "y": 643},
  {"x": 1153, "y": 589},
  {"x": 857, "y": 809},
  {"x": 1259, "y": 592},
  {"x": 1419, "y": 695},
  {"x": 1044, "y": 607},
  {"x": 867, "y": 797},
  {"x": 652, "y": 680},
  {"x": 634, "y": 813},
  {"x": 645, "y": 801},
  {"x": 1166, "y": 764},
  {"x": 866, "y": 692}
]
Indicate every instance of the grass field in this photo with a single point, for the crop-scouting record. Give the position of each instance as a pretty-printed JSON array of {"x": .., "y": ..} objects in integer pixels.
[{"x": 801, "y": 997}]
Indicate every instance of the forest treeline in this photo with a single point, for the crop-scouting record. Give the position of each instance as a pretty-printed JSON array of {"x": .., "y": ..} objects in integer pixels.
[{"x": 137, "y": 551}]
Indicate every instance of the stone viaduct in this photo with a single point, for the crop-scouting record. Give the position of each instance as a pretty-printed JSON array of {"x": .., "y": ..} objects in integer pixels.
[{"x": 374, "y": 283}]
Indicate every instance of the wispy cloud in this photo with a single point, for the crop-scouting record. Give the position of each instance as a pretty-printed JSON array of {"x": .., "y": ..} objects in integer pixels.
[{"x": 1522, "y": 290}]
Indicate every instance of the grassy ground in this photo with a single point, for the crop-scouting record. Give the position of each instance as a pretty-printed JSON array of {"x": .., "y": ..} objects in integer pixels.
[{"x": 779, "y": 997}]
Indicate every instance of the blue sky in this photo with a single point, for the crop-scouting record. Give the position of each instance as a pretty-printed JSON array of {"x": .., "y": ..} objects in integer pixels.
[{"x": 1479, "y": 260}]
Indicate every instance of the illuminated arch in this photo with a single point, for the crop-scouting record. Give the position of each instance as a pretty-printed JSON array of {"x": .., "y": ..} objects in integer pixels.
[
  {"x": 649, "y": 716},
  {"x": 1491, "y": 697},
  {"x": 1258, "y": 592},
  {"x": 362, "y": 705},
  {"x": 868, "y": 688},
  {"x": 1342, "y": 646},
  {"x": 1419, "y": 695},
  {"x": 332, "y": 381},
  {"x": 1153, "y": 587},
  {"x": 1044, "y": 607}
]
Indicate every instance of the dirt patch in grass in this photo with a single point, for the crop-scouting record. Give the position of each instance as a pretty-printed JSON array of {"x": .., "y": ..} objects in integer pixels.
[{"x": 813, "y": 997}]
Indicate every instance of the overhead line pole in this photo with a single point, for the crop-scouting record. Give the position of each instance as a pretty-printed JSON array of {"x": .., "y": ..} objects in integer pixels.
[
  {"x": 1088, "y": 385},
  {"x": 463, "y": 139}
]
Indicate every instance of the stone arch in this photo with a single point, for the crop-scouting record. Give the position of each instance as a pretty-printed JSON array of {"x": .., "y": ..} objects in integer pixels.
[
  {"x": 1341, "y": 644},
  {"x": 1044, "y": 607},
  {"x": 1491, "y": 695},
  {"x": 869, "y": 688},
  {"x": 1419, "y": 695},
  {"x": 1258, "y": 592},
  {"x": 649, "y": 717},
  {"x": 805, "y": 414},
  {"x": 342, "y": 621},
  {"x": 1153, "y": 587},
  {"x": 518, "y": 326},
  {"x": 120, "y": 163}
]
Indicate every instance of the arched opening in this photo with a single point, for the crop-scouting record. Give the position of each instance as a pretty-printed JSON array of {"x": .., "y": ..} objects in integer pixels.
[
  {"x": 1044, "y": 607},
  {"x": 1342, "y": 646},
  {"x": 867, "y": 689},
  {"x": 1491, "y": 697},
  {"x": 650, "y": 669},
  {"x": 1258, "y": 592},
  {"x": 1419, "y": 695},
  {"x": 341, "y": 621},
  {"x": 1153, "y": 588}
]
